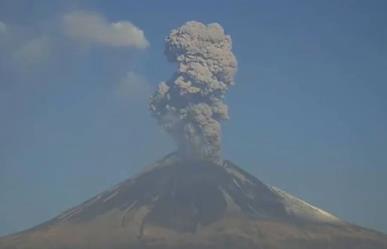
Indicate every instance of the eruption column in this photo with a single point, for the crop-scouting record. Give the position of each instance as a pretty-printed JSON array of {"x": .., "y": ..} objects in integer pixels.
[{"x": 190, "y": 106}]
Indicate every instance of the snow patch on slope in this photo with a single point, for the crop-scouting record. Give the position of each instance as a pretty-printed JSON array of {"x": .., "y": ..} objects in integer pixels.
[
  {"x": 301, "y": 209},
  {"x": 231, "y": 205},
  {"x": 238, "y": 175}
]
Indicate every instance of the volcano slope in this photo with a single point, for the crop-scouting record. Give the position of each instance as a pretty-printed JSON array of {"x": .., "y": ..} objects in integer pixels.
[{"x": 195, "y": 205}]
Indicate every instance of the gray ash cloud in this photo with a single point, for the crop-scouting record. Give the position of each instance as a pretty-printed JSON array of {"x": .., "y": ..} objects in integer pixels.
[{"x": 190, "y": 105}]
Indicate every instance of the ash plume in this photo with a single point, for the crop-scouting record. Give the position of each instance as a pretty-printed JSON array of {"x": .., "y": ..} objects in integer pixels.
[{"x": 190, "y": 105}]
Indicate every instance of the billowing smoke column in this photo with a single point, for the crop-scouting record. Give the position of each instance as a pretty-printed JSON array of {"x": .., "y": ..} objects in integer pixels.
[{"x": 190, "y": 105}]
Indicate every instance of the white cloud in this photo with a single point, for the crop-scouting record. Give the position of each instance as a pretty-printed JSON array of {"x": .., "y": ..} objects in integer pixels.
[
  {"x": 91, "y": 27},
  {"x": 133, "y": 86},
  {"x": 22, "y": 49},
  {"x": 3, "y": 27},
  {"x": 33, "y": 52}
]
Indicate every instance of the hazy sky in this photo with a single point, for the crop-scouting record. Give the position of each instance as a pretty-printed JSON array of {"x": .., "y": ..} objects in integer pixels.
[{"x": 308, "y": 111}]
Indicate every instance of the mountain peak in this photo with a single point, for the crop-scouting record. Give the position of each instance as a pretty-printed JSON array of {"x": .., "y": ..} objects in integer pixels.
[{"x": 180, "y": 203}]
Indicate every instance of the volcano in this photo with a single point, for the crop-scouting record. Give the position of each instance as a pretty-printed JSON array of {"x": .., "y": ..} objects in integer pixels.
[{"x": 194, "y": 204}]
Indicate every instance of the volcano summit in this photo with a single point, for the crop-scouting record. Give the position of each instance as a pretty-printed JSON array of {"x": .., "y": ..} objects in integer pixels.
[{"x": 195, "y": 205}]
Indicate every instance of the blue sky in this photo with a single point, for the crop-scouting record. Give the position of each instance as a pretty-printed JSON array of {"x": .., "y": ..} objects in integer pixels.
[{"x": 308, "y": 111}]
